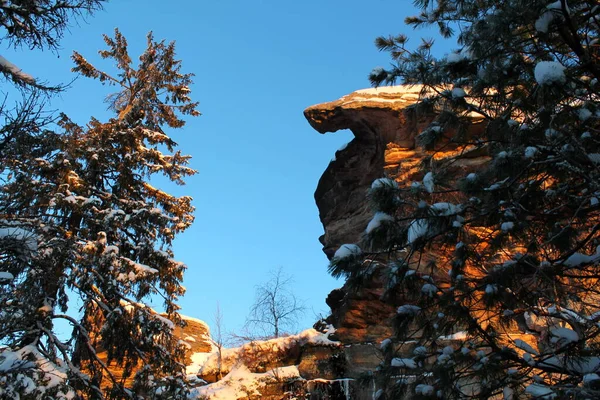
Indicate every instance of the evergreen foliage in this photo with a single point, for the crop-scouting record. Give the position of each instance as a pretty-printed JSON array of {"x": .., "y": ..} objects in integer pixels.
[
  {"x": 82, "y": 220},
  {"x": 495, "y": 270}
]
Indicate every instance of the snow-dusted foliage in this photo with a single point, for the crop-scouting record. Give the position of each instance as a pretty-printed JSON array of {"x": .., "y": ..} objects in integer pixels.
[
  {"x": 80, "y": 221},
  {"x": 378, "y": 219},
  {"x": 494, "y": 265},
  {"x": 346, "y": 251},
  {"x": 548, "y": 72},
  {"x": 37, "y": 24}
]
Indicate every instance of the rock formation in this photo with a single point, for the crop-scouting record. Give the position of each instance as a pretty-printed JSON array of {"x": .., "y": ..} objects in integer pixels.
[
  {"x": 385, "y": 128},
  {"x": 195, "y": 336}
]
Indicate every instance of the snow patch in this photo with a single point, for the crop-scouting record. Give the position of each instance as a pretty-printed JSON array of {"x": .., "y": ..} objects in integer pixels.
[
  {"x": 378, "y": 218},
  {"x": 346, "y": 251},
  {"x": 428, "y": 182},
  {"x": 541, "y": 392},
  {"x": 549, "y": 72},
  {"x": 383, "y": 182},
  {"x": 404, "y": 363},
  {"x": 408, "y": 309}
]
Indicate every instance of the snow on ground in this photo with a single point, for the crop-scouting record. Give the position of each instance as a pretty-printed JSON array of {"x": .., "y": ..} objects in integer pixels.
[
  {"x": 239, "y": 379},
  {"x": 241, "y": 383},
  {"x": 231, "y": 357},
  {"x": 198, "y": 361}
]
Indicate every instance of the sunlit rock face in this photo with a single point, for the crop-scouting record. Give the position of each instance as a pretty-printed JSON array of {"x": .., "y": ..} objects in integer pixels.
[
  {"x": 377, "y": 118},
  {"x": 385, "y": 128},
  {"x": 195, "y": 336}
]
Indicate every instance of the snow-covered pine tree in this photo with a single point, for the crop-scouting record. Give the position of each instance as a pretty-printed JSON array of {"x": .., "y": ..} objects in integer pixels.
[
  {"x": 37, "y": 24},
  {"x": 101, "y": 233},
  {"x": 495, "y": 271}
]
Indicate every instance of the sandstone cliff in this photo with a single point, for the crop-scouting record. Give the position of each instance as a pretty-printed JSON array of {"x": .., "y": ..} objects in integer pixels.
[{"x": 341, "y": 362}]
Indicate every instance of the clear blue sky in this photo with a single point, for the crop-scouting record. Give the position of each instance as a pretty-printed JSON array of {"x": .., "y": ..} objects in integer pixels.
[{"x": 258, "y": 65}]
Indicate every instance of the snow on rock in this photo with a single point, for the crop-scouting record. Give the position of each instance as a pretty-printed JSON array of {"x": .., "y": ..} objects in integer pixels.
[
  {"x": 549, "y": 72},
  {"x": 462, "y": 335},
  {"x": 346, "y": 251},
  {"x": 397, "y": 89},
  {"x": 575, "y": 366},
  {"x": 378, "y": 218},
  {"x": 271, "y": 349},
  {"x": 197, "y": 361},
  {"x": 240, "y": 383},
  {"x": 196, "y": 335}
]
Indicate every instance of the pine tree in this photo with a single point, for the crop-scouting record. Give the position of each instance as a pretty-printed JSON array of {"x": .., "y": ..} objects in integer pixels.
[
  {"x": 104, "y": 235},
  {"x": 494, "y": 271},
  {"x": 37, "y": 24}
]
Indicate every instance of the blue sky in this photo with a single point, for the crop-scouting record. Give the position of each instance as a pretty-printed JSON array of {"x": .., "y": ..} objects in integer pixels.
[{"x": 258, "y": 65}]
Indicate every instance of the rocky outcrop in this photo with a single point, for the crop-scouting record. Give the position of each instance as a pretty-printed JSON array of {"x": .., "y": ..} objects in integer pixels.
[
  {"x": 385, "y": 128},
  {"x": 376, "y": 118},
  {"x": 196, "y": 336},
  {"x": 337, "y": 364},
  {"x": 307, "y": 365}
]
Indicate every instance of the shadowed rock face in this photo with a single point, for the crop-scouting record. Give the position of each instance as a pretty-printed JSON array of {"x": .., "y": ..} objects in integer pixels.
[{"x": 376, "y": 117}]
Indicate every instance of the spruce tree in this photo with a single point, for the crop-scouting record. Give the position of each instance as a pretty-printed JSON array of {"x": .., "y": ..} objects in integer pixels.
[
  {"x": 103, "y": 234},
  {"x": 494, "y": 271}
]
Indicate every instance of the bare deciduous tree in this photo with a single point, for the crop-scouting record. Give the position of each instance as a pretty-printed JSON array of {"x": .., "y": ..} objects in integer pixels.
[
  {"x": 218, "y": 339},
  {"x": 276, "y": 308}
]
